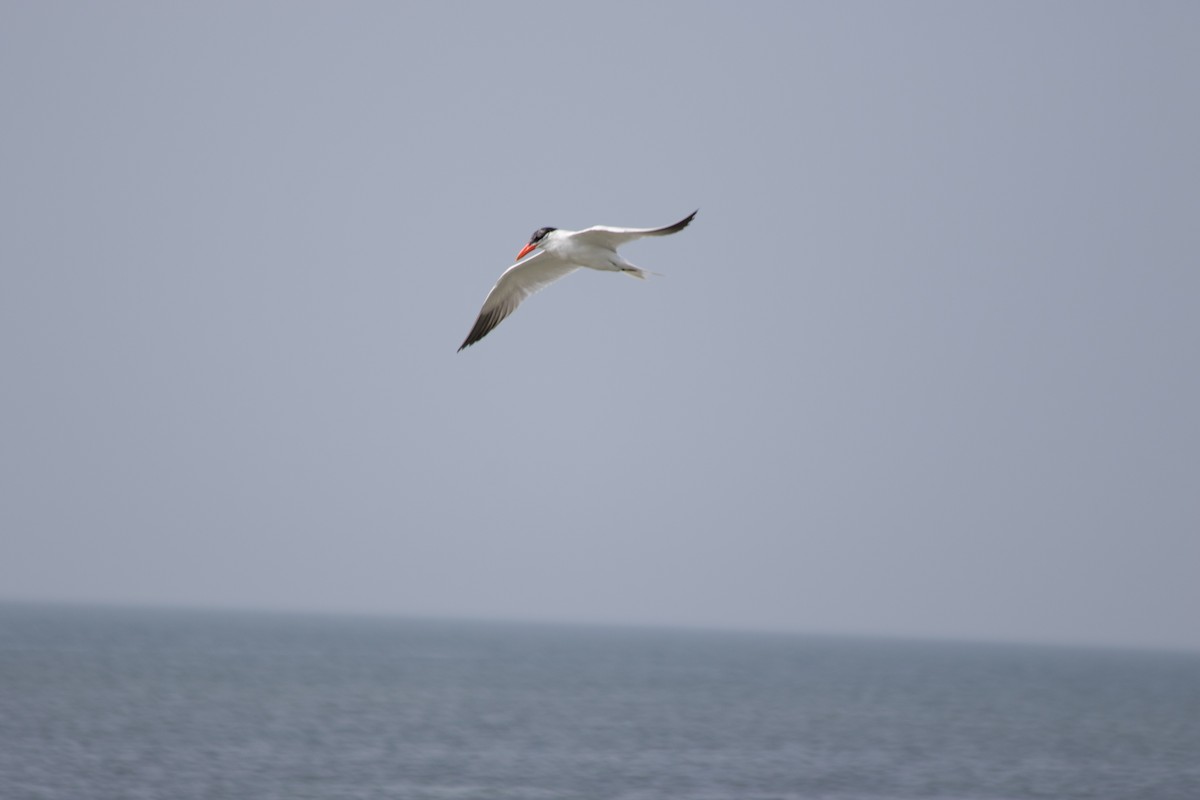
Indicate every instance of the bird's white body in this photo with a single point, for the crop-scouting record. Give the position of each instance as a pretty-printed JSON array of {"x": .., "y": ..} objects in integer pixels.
[
  {"x": 592, "y": 248},
  {"x": 559, "y": 253}
]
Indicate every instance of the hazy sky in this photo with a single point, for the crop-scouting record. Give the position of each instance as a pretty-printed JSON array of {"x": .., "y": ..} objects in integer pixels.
[{"x": 927, "y": 363}]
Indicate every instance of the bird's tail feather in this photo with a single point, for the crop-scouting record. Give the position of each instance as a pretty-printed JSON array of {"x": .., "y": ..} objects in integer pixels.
[{"x": 638, "y": 272}]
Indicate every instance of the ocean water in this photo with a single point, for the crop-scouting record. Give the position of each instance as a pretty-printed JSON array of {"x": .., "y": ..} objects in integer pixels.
[{"x": 172, "y": 705}]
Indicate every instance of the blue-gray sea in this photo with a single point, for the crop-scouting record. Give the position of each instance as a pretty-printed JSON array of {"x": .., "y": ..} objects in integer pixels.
[{"x": 171, "y": 705}]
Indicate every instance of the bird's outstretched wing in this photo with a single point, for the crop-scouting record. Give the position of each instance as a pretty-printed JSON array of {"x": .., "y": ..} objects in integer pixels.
[
  {"x": 518, "y": 282},
  {"x": 615, "y": 237}
]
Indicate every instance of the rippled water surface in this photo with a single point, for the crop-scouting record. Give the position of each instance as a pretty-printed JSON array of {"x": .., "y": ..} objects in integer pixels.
[{"x": 173, "y": 704}]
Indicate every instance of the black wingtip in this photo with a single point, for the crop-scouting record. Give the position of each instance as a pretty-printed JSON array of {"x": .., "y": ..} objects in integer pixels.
[
  {"x": 483, "y": 326},
  {"x": 683, "y": 223}
]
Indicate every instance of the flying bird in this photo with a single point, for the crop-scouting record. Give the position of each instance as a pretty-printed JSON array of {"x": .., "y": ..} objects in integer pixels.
[{"x": 559, "y": 253}]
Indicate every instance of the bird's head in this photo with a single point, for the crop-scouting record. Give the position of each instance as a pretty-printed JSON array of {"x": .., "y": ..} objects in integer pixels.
[{"x": 538, "y": 237}]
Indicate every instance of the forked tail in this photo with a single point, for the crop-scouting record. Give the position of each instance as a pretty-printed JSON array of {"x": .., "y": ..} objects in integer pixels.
[{"x": 638, "y": 272}]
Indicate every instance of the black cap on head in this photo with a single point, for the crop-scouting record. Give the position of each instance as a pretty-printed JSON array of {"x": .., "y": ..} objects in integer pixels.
[{"x": 540, "y": 234}]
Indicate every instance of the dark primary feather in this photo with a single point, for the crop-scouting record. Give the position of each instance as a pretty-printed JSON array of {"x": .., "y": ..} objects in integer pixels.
[
  {"x": 677, "y": 227},
  {"x": 484, "y": 324}
]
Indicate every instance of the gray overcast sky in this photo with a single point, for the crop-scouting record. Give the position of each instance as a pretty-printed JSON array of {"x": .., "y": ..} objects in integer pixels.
[{"x": 925, "y": 364}]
